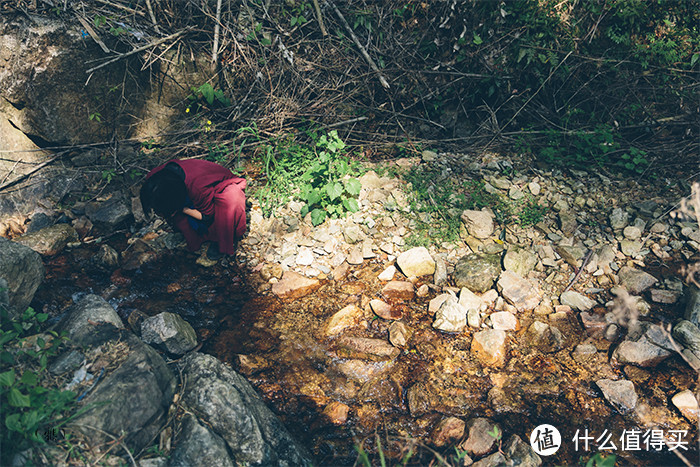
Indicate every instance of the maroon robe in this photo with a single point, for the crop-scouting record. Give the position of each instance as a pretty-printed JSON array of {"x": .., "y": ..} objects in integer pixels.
[{"x": 214, "y": 190}]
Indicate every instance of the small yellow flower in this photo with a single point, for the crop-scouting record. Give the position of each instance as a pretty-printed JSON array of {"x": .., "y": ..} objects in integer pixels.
[
  {"x": 187, "y": 110},
  {"x": 208, "y": 122}
]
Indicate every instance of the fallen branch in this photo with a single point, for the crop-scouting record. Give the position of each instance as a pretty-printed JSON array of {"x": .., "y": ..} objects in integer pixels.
[
  {"x": 137, "y": 50},
  {"x": 32, "y": 172},
  {"x": 363, "y": 51},
  {"x": 217, "y": 28},
  {"x": 153, "y": 17},
  {"x": 319, "y": 18},
  {"x": 93, "y": 34}
]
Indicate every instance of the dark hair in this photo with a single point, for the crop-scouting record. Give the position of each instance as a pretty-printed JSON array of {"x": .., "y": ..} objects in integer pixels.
[{"x": 164, "y": 192}]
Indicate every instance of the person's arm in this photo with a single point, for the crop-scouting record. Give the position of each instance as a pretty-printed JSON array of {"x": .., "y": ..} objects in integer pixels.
[{"x": 192, "y": 213}]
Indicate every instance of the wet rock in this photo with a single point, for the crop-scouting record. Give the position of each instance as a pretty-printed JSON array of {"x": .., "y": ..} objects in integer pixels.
[
  {"x": 416, "y": 262},
  {"x": 110, "y": 214},
  {"x": 619, "y": 219},
  {"x": 348, "y": 317},
  {"x": 668, "y": 297},
  {"x": 138, "y": 254},
  {"x": 82, "y": 319},
  {"x": 640, "y": 353},
  {"x": 232, "y": 409},
  {"x": 419, "y": 399},
  {"x": 620, "y": 394},
  {"x": 635, "y": 281},
  {"x": 449, "y": 430},
  {"x": 479, "y": 442},
  {"x": 384, "y": 310},
  {"x": 398, "y": 291},
  {"x": 576, "y": 301},
  {"x": 494, "y": 460},
  {"x": 504, "y": 320},
  {"x": 293, "y": 285},
  {"x": 687, "y": 334},
  {"x": 39, "y": 222},
  {"x": 67, "y": 361},
  {"x": 545, "y": 337},
  {"x": 451, "y": 316},
  {"x": 364, "y": 348},
  {"x": 107, "y": 257},
  {"x": 362, "y": 370},
  {"x": 686, "y": 402},
  {"x": 399, "y": 334},
  {"x": 520, "y": 453},
  {"x": 519, "y": 260},
  {"x": 170, "y": 331},
  {"x": 250, "y": 364},
  {"x": 518, "y": 291},
  {"x": 387, "y": 274},
  {"x": 22, "y": 270},
  {"x": 51, "y": 240},
  {"x": 692, "y": 308},
  {"x": 479, "y": 224},
  {"x": 489, "y": 347},
  {"x": 198, "y": 446},
  {"x": 477, "y": 272},
  {"x": 336, "y": 413}
]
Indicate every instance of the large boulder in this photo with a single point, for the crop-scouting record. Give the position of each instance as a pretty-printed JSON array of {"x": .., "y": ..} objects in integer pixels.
[
  {"x": 23, "y": 272},
  {"x": 232, "y": 409},
  {"x": 198, "y": 446},
  {"x": 477, "y": 272},
  {"x": 84, "y": 321}
]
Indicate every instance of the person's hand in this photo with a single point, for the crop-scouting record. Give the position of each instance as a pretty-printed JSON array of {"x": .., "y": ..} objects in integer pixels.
[{"x": 192, "y": 213}]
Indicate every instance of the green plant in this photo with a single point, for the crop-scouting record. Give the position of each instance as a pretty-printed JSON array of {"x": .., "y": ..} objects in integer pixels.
[
  {"x": 601, "y": 460},
  {"x": 108, "y": 175},
  {"x": 218, "y": 153},
  {"x": 531, "y": 213},
  {"x": 30, "y": 410},
  {"x": 297, "y": 17},
  {"x": 206, "y": 94},
  {"x": 96, "y": 116},
  {"x": 327, "y": 185}
]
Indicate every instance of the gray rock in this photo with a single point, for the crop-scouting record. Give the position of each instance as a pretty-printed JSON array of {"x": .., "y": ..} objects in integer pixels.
[
  {"x": 479, "y": 442},
  {"x": 660, "y": 337},
  {"x": 494, "y": 460},
  {"x": 636, "y": 281},
  {"x": 619, "y": 219},
  {"x": 51, "y": 240},
  {"x": 416, "y": 262},
  {"x": 39, "y": 221},
  {"x": 520, "y": 453},
  {"x": 198, "y": 446},
  {"x": 451, "y": 316},
  {"x": 573, "y": 255},
  {"x": 545, "y": 337},
  {"x": 170, "y": 331},
  {"x": 23, "y": 271},
  {"x": 692, "y": 308},
  {"x": 68, "y": 361},
  {"x": 519, "y": 260},
  {"x": 231, "y": 408},
  {"x": 567, "y": 222},
  {"x": 520, "y": 292},
  {"x": 133, "y": 399},
  {"x": 576, "y": 301},
  {"x": 687, "y": 334},
  {"x": 640, "y": 353},
  {"x": 620, "y": 394},
  {"x": 428, "y": 156},
  {"x": 110, "y": 214},
  {"x": 479, "y": 224},
  {"x": 4, "y": 294},
  {"x": 632, "y": 232},
  {"x": 630, "y": 247},
  {"x": 477, "y": 272},
  {"x": 83, "y": 320},
  {"x": 107, "y": 257},
  {"x": 440, "y": 276}
]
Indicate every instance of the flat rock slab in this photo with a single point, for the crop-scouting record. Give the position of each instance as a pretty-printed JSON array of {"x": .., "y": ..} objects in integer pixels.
[
  {"x": 640, "y": 353},
  {"x": 364, "y": 348},
  {"x": 293, "y": 285},
  {"x": 576, "y": 301},
  {"x": 518, "y": 291},
  {"x": 636, "y": 281},
  {"x": 398, "y": 291},
  {"x": 51, "y": 240},
  {"x": 348, "y": 317},
  {"x": 620, "y": 394}
]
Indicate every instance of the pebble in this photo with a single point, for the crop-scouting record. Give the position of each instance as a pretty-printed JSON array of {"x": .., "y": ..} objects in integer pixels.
[{"x": 620, "y": 394}]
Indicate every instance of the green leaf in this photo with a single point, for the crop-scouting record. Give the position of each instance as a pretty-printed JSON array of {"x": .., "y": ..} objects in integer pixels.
[
  {"x": 12, "y": 422},
  {"x": 477, "y": 39},
  {"x": 7, "y": 378},
  {"x": 334, "y": 190},
  {"x": 17, "y": 399},
  {"x": 694, "y": 59},
  {"x": 353, "y": 186},
  {"x": 313, "y": 197},
  {"x": 318, "y": 216},
  {"x": 351, "y": 204},
  {"x": 29, "y": 378}
]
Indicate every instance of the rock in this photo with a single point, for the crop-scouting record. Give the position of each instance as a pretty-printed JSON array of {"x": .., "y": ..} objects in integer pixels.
[
  {"x": 668, "y": 297},
  {"x": 132, "y": 399},
  {"x": 479, "y": 224},
  {"x": 534, "y": 188},
  {"x": 474, "y": 319},
  {"x": 576, "y": 301},
  {"x": 82, "y": 320},
  {"x": 619, "y": 219},
  {"x": 250, "y": 364},
  {"x": 630, "y": 247},
  {"x": 504, "y": 320},
  {"x": 640, "y": 353},
  {"x": 470, "y": 300},
  {"x": 107, "y": 257},
  {"x": 198, "y": 446},
  {"x": 567, "y": 222},
  {"x": 632, "y": 232},
  {"x": 620, "y": 394},
  {"x": 67, "y": 361},
  {"x": 39, "y": 222},
  {"x": 384, "y": 310},
  {"x": 355, "y": 256},
  {"x": 305, "y": 257},
  {"x": 593, "y": 322},
  {"x": 545, "y": 337},
  {"x": 494, "y": 460},
  {"x": 440, "y": 276},
  {"x": 435, "y": 304},
  {"x": 449, "y": 430},
  {"x": 686, "y": 402},
  {"x": 451, "y": 316},
  {"x": 51, "y": 240},
  {"x": 109, "y": 215},
  {"x": 399, "y": 334},
  {"x": 416, "y": 262},
  {"x": 477, "y": 272},
  {"x": 636, "y": 281},
  {"x": 23, "y": 271},
  {"x": 293, "y": 285},
  {"x": 398, "y": 291},
  {"x": 660, "y": 336},
  {"x": 353, "y": 234},
  {"x": 362, "y": 370},
  {"x": 349, "y": 316},
  {"x": 573, "y": 255},
  {"x": 232, "y": 409},
  {"x": 490, "y": 347},
  {"x": 387, "y": 274},
  {"x": 170, "y": 331},
  {"x": 519, "y": 260},
  {"x": 366, "y": 349},
  {"x": 520, "y": 453},
  {"x": 336, "y": 413},
  {"x": 687, "y": 334},
  {"x": 692, "y": 308},
  {"x": 428, "y": 156},
  {"x": 479, "y": 442},
  {"x": 518, "y": 291}
]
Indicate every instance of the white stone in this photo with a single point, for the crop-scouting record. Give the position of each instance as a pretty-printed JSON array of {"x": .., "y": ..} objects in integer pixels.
[
  {"x": 388, "y": 274},
  {"x": 416, "y": 262}
]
